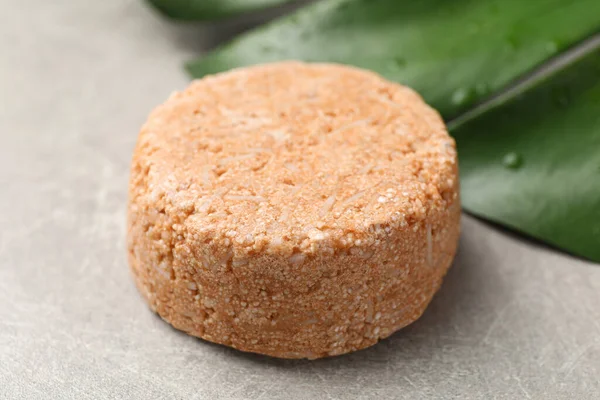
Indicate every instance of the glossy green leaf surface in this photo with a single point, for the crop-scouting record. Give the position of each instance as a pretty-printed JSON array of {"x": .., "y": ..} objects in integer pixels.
[
  {"x": 210, "y": 9},
  {"x": 453, "y": 52},
  {"x": 533, "y": 162}
]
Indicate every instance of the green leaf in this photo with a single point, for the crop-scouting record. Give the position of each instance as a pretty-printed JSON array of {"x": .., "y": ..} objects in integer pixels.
[
  {"x": 210, "y": 9},
  {"x": 453, "y": 52},
  {"x": 533, "y": 162}
]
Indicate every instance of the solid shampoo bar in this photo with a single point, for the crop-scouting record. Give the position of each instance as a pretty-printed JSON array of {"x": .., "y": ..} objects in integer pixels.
[{"x": 295, "y": 210}]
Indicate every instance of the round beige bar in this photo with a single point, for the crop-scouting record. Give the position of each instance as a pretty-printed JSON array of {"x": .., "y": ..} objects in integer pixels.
[{"x": 294, "y": 210}]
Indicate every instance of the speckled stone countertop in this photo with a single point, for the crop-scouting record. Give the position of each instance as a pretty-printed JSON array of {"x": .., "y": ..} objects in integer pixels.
[{"x": 513, "y": 320}]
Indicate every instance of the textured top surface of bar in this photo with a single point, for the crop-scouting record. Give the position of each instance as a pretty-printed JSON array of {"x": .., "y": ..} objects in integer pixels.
[{"x": 295, "y": 156}]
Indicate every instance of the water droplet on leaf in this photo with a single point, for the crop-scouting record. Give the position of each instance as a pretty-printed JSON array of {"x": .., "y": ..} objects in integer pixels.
[
  {"x": 512, "y": 160},
  {"x": 552, "y": 47},
  {"x": 513, "y": 42},
  {"x": 397, "y": 63},
  {"x": 462, "y": 96}
]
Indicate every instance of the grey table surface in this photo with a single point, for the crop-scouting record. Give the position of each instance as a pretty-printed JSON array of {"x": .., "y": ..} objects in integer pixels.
[{"x": 513, "y": 320}]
